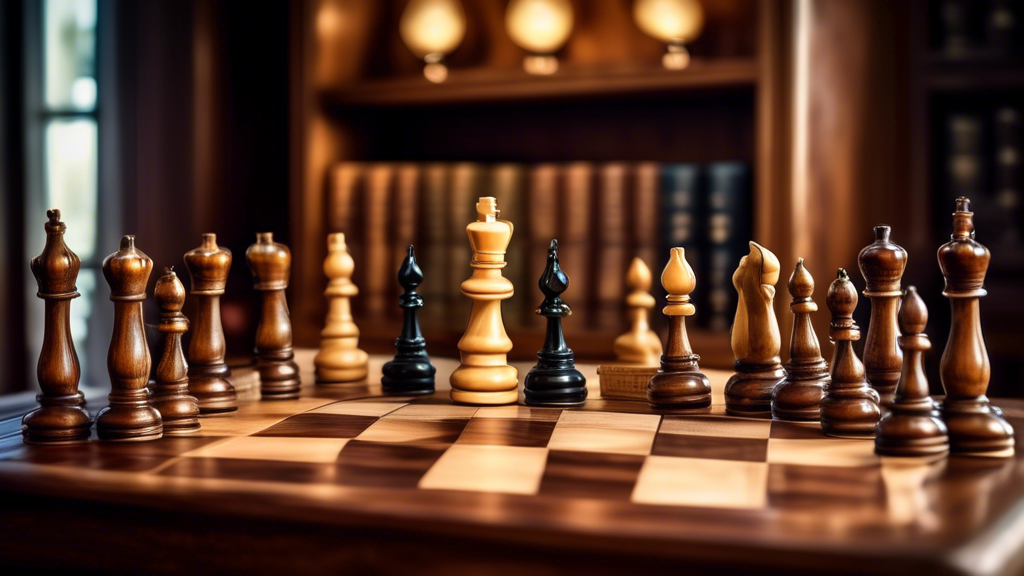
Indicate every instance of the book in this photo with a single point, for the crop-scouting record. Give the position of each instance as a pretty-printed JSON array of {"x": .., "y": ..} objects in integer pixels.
[
  {"x": 574, "y": 240},
  {"x": 466, "y": 186},
  {"x": 1007, "y": 181},
  {"x": 543, "y": 200},
  {"x": 378, "y": 238},
  {"x": 433, "y": 256},
  {"x": 406, "y": 212},
  {"x": 680, "y": 225},
  {"x": 508, "y": 185},
  {"x": 609, "y": 270},
  {"x": 645, "y": 219},
  {"x": 729, "y": 230}
]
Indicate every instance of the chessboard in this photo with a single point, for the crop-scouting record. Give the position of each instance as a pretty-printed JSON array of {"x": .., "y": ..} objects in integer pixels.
[{"x": 707, "y": 487}]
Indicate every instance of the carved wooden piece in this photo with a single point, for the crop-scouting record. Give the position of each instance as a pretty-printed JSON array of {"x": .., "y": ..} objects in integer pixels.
[
  {"x": 882, "y": 264},
  {"x": 410, "y": 371},
  {"x": 554, "y": 380},
  {"x": 271, "y": 263},
  {"x": 799, "y": 396},
  {"x": 975, "y": 427},
  {"x": 208, "y": 268},
  {"x": 679, "y": 384},
  {"x": 640, "y": 345},
  {"x": 850, "y": 406},
  {"x": 484, "y": 376},
  {"x": 755, "y": 336},
  {"x": 129, "y": 416},
  {"x": 340, "y": 360},
  {"x": 912, "y": 427},
  {"x": 179, "y": 410},
  {"x": 60, "y": 418}
]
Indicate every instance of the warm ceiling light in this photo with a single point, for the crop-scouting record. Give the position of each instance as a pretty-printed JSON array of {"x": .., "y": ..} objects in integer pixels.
[
  {"x": 541, "y": 27},
  {"x": 674, "y": 22},
  {"x": 431, "y": 29}
]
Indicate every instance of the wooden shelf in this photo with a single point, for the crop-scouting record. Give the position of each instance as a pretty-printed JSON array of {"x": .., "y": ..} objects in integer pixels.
[{"x": 479, "y": 85}]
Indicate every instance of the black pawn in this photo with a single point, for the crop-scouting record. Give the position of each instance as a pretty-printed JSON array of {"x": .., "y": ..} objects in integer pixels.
[
  {"x": 554, "y": 381},
  {"x": 410, "y": 372}
]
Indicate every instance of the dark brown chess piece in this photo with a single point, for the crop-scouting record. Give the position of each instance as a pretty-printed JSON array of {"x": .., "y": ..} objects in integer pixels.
[
  {"x": 974, "y": 425},
  {"x": 129, "y": 416},
  {"x": 799, "y": 396},
  {"x": 271, "y": 263},
  {"x": 912, "y": 427},
  {"x": 208, "y": 267},
  {"x": 850, "y": 406},
  {"x": 179, "y": 410},
  {"x": 679, "y": 384},
  {"x": 882, "y": 264},
  {"x": 60, "y": 418}
]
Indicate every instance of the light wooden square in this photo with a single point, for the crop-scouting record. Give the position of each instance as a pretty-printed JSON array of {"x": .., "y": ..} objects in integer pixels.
[
  {"x": 839, "y": 452},
  {"x": 280, "y": 407},
  {"x": 236, "y": 425},
  {"x": 318, "y": 450},
  {"x": 717, "y": 427},
  {"x": 376, "y": 409},
  {"x": 433, "y": 411},
  {"x": 502, "y": 469},
  {"x": 518, "y": 412},
  {"x": 702, "y": 483},
  {"x": 610, "y": 432}
]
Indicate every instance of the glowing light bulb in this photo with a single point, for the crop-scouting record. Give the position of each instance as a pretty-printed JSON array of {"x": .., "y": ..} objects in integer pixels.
[
  {"x": 674, "y": 22},
  {"x": 541, "y": 27},
  {"x": 431, "y": 29}
]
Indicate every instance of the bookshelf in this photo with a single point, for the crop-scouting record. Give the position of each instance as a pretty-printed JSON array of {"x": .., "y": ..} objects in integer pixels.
[{"x": 610, "y": 102}]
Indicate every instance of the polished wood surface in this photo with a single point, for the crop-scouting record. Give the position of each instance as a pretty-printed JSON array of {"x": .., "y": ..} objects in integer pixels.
[
  {"x": 339, "y": 360},
  {"x": 271, "y": 264},
  {"x": 882, "y": 264},
  {"x": 178, "y": 409},
  {"x": 798, "y": 397}
]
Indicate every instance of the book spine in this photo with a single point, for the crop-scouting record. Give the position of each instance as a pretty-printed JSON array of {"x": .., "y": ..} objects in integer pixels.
[
  {"x": 609, "y": 269},
  {"x": 467, "y": 185},
  {"x": 543, "y": 198},
  {"x": 645, "y": 219},
  {"x": 574, "y": 239},
  {"x": 346, "y": 207},
  {"x": 1007, "y": 144},
  {"x": 508, "y": 186},
  {"x": 433, "y": 257},
  {"x": 729, "y": 228},
  {"x": 378, "y": 236},
  {"x": 681, "y": 225},
  {"x": 955, "y": 29},
  {"x": 406, "y": 215}
]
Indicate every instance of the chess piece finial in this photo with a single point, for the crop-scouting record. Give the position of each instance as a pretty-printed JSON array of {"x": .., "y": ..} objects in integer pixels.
[
  {"x": 911, "y": 427},
  {"x": 178, "y": 410},
  {"x": 410, "y": 371},
  {"x": 60, "y": 418},
  {"x": 882, "y": 264},
  {"x": 640, "y": 345},
  {"x": 270, "y": 263},
  {"x": 755, "y": 336},
  {"x": 129, "y": 416},
  {"x": 850, "y": 406},
  {"x": 554, "y": 380},
  {"x": 799, "y": 396},
  {"x": 208, "y": 268},
  {"x": 679, "y": 384},
  {"x": 484, "y": 376},
  {"x": 340, "y": 360},
  {"x": 975, "y": 426}
]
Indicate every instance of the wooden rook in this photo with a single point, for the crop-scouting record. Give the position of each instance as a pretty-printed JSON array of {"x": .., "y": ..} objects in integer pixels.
[
  {"x": 60, "y": 418},
  {"x": 640, "y": 345},
  {"x": 410, "y": 371},
  {"x": 975, "y": 427},
  {"x": 679, "y": 384},
  {"x": 129, "y": 417},
  {"x": 755, "y": 336},
  {"x": 208, "y": 268},
  {"x": 339, "y": 360},
  {"x": 912, "y": 427},
  {"x": 882, "y": 264},
  {"x": 850, "y": 407},
  {"x": 484, "y": 376},
  {"x": 799, "y": 396},
  {"x": 270, "y": 263},
  {"x": 179, "y": 410},
  {"x": 554, "y": 381}
]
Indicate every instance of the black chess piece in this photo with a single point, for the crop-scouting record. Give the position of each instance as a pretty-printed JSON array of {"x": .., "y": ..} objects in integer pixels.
[
  {"x": 554, "y": 381},
  {"x": 410, "y": 372}
]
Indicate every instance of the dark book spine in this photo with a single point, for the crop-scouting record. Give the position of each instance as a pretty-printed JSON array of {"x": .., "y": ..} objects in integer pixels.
[
  {"x": 681, "y": 224},
  {"x": 543, "y": 195},
  {"x": 575, "y": 233},
  {"x": 433, "y": 256},
  {"x": 376, "y": 289},
  {"x": 1007, "y": 185},
  {"x": 645, "y": 217},
  {"x": 508, "y": 185},
  {"x": 729, "y": 230},
  {"x": 406, "y": 214},
  {"x": 609, "y": 268}
]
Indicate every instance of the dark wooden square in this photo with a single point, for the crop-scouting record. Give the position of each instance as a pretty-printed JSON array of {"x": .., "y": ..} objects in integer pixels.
[
  {"x": 121, "y": 457},
  {"x": 311, "y": 425},
  {"x": 507, "y": 432},
  {"x": 378, "y": 464},
  {"x": 796, "y": 486},
  {"x": 710, "y": 447},
  {"x": 796, "y": 431},
  {"x": 590, "y": 474},
  {"x": 253, "y": 470}
]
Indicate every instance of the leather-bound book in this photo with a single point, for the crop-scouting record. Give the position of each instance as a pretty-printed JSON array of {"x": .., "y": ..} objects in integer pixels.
[
  {"x": 405, "y": 228},
  {"x": 727, "y": 234},
  {"x": 612, "y": 217},
  {"x": 508, "y": 185},
  {"x": 433, "y": 256},
  {"x": 575, "y": 233},
  {"x": 543, "y": 201},
  {"x": 378, "y": 236}
]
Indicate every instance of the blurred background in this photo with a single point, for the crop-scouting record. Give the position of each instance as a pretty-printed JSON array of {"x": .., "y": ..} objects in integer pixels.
[{"x": 621, "y": 127}]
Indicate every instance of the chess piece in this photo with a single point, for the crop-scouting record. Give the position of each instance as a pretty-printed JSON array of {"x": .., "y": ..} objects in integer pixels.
[
  {"x": 484, "y": 376},
  {"x": 911, "y": 427},
  {"x": 129, "y": 417},
  {"x": 60, "y": 418},
  {"x": 881, "y": 264},
  {"x": 679, "y": 384},
  {"x": 208, "y": 267},
  {"x": 850, "y": 406},
  {"x": 178, "y": 410},
  {"x": 799, "y": 395},
  {"x": 975, "y": 427},
  {"x": 755, "y": 336},
  {"x": 554, "y": 381},
  {"x": 640, "y": 345},
  {"x": 339, "y": 360},
  {"x": 270, "y": 264},
  {"x": 410, "y": 371}
]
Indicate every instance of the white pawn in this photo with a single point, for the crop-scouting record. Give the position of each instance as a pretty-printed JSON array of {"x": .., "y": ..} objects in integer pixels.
[
  {"x": 339, "y": 360},
  {"x": 640, "y": 345}
]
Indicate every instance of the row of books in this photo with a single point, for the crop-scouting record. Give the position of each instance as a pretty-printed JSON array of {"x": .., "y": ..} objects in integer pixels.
[
  {"x": 970, "y": 28},
  {"x": 603, "y": 216}
]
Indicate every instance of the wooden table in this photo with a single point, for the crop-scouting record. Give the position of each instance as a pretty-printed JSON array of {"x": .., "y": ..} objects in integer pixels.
[{"x": 342, "y": 480}]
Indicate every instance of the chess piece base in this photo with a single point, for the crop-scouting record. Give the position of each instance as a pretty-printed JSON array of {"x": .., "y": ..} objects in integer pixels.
[
  {"x": 279, "y": 379},
  {"x": 749, "y": 391},
  {"x": 336, "y": 365},
  {"x": 555, "y": 383},
  {"x": 129, "y": 418},
  {"x": 975, "y": 427},
  {"x": 911, "y": 433},
  {"x": 178, "y": 410},
  {"x": 679, "y": 385},
  {"x": 798, "y": 397},
  {"x": 408, "y": 375},
  {"x": 850, "y": 412},
  {"x": 210, "y": 386},
  {"x": 58, "y": 420},
  {"x": 485, "y": 385}
]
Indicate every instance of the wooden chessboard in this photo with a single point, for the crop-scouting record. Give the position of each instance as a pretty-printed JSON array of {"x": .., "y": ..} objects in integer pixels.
[{"x": 612, "y": 478}]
